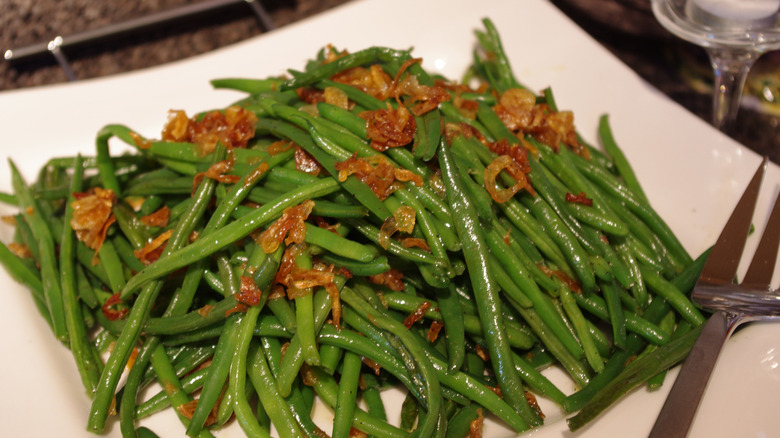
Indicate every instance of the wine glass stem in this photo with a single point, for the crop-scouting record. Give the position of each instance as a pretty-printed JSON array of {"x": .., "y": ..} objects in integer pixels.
[{"x": 731, "y": 68}]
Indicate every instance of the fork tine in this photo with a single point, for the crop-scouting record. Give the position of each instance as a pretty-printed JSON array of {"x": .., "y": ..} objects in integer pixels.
[
  {"x": 723, "y": 261},
  {"x": 759, "y": 274}
]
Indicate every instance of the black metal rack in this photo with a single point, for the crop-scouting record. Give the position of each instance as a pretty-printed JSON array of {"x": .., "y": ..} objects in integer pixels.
[{"x": 58, "y": 44}]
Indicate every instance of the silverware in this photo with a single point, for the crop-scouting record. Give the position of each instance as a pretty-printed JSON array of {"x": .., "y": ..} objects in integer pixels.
[{"x": 752, "y": 299}]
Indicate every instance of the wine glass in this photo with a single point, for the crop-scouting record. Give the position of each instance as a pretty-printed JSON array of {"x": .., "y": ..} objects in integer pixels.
[{"x": 734, "y": 33}]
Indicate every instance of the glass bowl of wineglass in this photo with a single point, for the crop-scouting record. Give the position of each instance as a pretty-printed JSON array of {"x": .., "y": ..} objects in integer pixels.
[{"x": 734, "y": 34}]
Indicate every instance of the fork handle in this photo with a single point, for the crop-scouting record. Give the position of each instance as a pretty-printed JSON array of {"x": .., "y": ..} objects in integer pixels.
[{"x": 678, "y": 411}]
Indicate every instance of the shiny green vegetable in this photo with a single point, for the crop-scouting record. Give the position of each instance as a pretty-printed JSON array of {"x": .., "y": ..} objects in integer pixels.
[{"x": 331, "y": 251}]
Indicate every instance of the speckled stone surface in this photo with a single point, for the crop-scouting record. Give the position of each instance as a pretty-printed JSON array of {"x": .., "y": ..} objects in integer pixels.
[
  {"x": 625, "y": 27},
  {"x": 25, "y": 22}
]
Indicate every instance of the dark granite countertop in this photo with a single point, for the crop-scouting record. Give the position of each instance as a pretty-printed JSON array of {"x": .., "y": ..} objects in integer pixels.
[{"x": 625, "y": 27}]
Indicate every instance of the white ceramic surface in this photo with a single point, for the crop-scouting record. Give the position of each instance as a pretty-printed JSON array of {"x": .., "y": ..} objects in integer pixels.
[{"x": 692, "y": 174}]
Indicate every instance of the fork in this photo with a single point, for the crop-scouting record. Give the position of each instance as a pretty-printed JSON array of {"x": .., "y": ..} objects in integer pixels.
[{"x": 751, "y": 300}]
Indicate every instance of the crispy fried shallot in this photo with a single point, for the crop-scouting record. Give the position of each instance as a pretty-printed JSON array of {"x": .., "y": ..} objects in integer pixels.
[
  {"x": 433, "y": 331},
  {"x": 249, "y": 294},
  {"x": 475, "y": 427},
  {"x": 20, "y": 250},
  {"x": 403, "y": 220},
  {"x": 579, "y": 199},
  {"x": 562, "y": 276},
  {"x": 153, "y": 250},
  {"x": 233, "y": 128},
  {"x": 373, "y": 80},
  {"x": 505, "y": 163},
  {"x": 392, "y": 279},
  {"x": 421, "y": 98},
  {"x": 114, "y": 309},
  {"x": 377, "y": 173},
  {"x": 389, "y": 127},
  {"x": 157, "y": 219},
  {"x": 417, "y": 314},
  {"x": 218, "y": 171},
  {"x": 299, "y": 281},
  {"x": 290, "y": 224},
  {"x": 92, "y": 215},
  {"x": 306, "y": 163},
  {"x": 337, "y": 97},
  {"x": 534, "y": 404},
  {"x": 518, "y": 109}
]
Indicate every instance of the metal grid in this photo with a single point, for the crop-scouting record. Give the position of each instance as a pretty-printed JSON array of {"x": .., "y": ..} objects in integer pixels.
[{"x": 57, "y": 46}]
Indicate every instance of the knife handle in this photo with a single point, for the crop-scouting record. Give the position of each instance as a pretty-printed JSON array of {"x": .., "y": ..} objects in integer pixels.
[{"x": 678, "y": 411}]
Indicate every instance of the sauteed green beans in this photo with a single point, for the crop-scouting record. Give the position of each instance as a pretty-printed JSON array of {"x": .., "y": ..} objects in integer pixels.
[{"x": 357, "y": 226}]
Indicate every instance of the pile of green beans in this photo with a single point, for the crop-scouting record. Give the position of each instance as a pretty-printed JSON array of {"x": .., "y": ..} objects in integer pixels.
[{"x": 614, "y": 315}]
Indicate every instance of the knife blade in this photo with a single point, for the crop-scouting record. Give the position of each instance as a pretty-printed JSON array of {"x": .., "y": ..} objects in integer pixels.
[{"x": 676, "y": 416}]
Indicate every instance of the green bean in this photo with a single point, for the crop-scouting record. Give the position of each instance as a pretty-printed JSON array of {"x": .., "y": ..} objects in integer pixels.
[
  {"x": 104, "y": 164},
  {"x": 304, "y": 315},
  {"x": 507, "y": 284},
  {"x": 230, "y": 233},
  {"x": 160, "y": 401},
  {"x": 635, "y": 374},
  {"x": 354, "y": 123},
  {"x": 283, "y": 311},
  {"x": 532, "y": 292},
  {"x": 575, "y": 255},
  {"x": 641, "y": 209},
  {"x": 657, "y": 381},
  {"x": 113, "y": 265},
  {"x": 330, "y": 357},
  {"x": 167, "y": 377},
  {"x": 185, "y": 362},
  {"x": 9, "y": 198},
  {"x": 410, "y": 410},
  {"x": 615, "y": 309},
  {"x": 327, "y": 389},
  {"x": 454, "y": 327},
  {"x": 301, "y": 401},
  {"x": 372, "y": 397},
  {"x": 218, "y": 373},
  {"x": 360, "y": 345},
  {"x": 338, "y": 245},
  {"x": 273, "y": 403},
  {"x": 516, "y": 336},
  {"x": 25, "y": 276},
  {"x": 460, "y": 424},
  {"x": 26, "y": 236},
  {"x": 136, "y": 232},
  {"x": 42, "y": 234},
  {"x": 237, "y": 380},
  {"x": 345, "y": 403},
  {"x": 412, "y": 254},
  {"x": 491, "y": 42},
  {"x": 139, "y": 312},
  {"x": 583, "y": 331},
  {"x": 127, "y": 404},
  {"x": 619, "y": 159},
  {"x": 374, "y": 267},
  {"x": 251, "y": 86},
  {"x": 352, "y": 60},
  {"x": 357, "y": 188},
  {"x": 427, "y": 136},
  {"x": 485, "y": 291},
  {"x": 294, "y": 358},
  {"x": 673, "y": 295},
  {"x": 572, "y": 365},
  {"x": 431, "y": 384},
  {"x": 634, "y": 323},
  {"x": 89, "y": 369}
]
